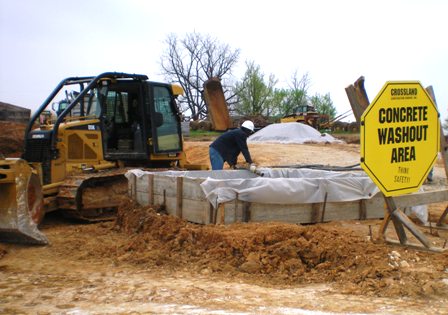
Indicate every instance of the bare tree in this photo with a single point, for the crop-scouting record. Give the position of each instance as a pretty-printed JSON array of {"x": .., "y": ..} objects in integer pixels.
[
  {"x": 193, "y": 60},
  {"x": 289, "y": 101}
]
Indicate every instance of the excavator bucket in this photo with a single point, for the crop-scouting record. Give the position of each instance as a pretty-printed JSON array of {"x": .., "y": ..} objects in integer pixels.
[
  {"x": 21, "y": 203},
  {"x": 216, "y": 104}
]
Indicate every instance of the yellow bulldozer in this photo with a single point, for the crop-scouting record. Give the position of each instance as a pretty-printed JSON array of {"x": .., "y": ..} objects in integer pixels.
[
  {"x": 305, "y": 114},
  {"x": 75, "y": 159}
]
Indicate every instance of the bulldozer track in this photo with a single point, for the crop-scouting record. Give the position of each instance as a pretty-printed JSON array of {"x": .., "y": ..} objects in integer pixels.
[{"x": 92, "y": 196}]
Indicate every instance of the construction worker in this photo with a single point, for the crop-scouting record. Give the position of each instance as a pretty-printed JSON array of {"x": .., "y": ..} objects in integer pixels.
[{"x": 229, "y": 145}]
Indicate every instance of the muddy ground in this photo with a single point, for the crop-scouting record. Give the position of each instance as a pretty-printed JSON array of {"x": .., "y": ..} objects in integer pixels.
[
  {"x": 11, "y": 138},
  {"x": 146, "y": 262}
]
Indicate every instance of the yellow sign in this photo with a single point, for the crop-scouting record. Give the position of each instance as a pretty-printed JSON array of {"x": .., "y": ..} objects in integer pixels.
[{"x": 400, "y": 134}]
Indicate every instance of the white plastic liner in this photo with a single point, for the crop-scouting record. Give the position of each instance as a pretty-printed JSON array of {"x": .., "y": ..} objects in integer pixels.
[
  {"x": 292, "y": 132},
  {"x": 223, "y": 175},
  {"x": 284, "y": 186},
  {"x": 291, "y": 186}
]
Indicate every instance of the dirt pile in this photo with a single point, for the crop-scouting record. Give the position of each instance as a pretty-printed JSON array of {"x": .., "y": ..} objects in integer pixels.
[
  {"x": 12, "y": 138},
  {"x": 277, "y": 253},
  {"x": 270, "y": 154}
]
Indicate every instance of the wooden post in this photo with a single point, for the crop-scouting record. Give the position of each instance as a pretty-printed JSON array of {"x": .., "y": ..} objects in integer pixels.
[
  {"x": 179, "y": 195},
  {"x": 151, "y": 189},
  {"x": 246, "y": 211},
  {"x": 134, "y": 187},
  {"x": 322, "y": 218},
  {"x": 362, "y": 209},
  {"x": 235, "y": 208},
  {"x": 384, "y": 224},
  {"x": 211, "y": 214},
  {"x": 443, "y": 144},
  {"x": 222, "y": 213},
  {"x": 400, "y": 221},
  {"x": 315, "y": 210},
  {"x": 442, "y": 218},
  {"x": 215, "y": 212},
  {"x": 392, "y": 208}
]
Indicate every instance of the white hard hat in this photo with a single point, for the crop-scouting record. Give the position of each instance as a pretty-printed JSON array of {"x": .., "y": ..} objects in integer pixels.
[{"x": 248, "y": 125}]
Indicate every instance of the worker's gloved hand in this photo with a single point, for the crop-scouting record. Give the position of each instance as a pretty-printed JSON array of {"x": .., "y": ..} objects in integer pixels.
[{"x": 253, "y": 168}]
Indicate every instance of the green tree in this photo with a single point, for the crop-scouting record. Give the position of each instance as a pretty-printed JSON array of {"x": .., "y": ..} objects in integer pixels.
[
  {"x": 281, "y": 101},
  {"x": 192, "y": 60},
  {"x": 324, "y": 105},
  {"x": 254, "y": 94}
]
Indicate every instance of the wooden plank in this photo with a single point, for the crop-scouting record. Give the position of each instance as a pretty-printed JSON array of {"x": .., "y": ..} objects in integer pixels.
[
  {"x": 165, "y": 183},
  {"x": 196, "y": 211},
  {"x": 192, "y": 188},
  {"x": 234, "y": 211},
  {"x": 421, "y": 198},
  {"x": 193, "y": 210},
  {"x": 148, "y": 185},
  {"x": 358, "y": 98},
  {"x": 284, "y": 213},
  {"x": 194, "y": 207},
  {"x": 301, "y": 213}
]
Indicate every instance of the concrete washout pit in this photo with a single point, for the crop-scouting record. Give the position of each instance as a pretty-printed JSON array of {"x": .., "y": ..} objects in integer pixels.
[{"x": 286, "y": 195}]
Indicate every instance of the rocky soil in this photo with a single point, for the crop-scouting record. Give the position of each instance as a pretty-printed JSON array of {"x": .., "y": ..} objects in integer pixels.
[{"x": 146, "y": 262}]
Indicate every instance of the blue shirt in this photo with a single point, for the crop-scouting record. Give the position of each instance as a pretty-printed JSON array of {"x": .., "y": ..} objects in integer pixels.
[{"x": 230, "y": 144}]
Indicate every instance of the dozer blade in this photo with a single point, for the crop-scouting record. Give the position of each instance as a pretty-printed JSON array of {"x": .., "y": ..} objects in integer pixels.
[{"x": 21, "y": 203}]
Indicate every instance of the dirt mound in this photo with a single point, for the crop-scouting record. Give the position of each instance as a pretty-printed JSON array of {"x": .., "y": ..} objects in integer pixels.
[
  {"x": 271, "y": 154},
  {"x": 12, "y": 138},
  {"x": 275, "y": 253}
]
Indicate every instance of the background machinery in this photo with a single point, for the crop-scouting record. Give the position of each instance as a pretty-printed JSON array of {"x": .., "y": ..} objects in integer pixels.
[
  {"x": 75, "y": 159},
  {"x": 306, "y": 114}
]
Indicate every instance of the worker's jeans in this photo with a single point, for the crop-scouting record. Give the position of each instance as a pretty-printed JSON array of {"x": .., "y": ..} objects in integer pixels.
[{"x": 216, "y": 159}]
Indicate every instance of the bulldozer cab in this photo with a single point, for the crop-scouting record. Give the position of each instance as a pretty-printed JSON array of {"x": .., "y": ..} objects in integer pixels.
[
  {"x": 139, "y": 119},
  {"x": 136, "y": 119}
]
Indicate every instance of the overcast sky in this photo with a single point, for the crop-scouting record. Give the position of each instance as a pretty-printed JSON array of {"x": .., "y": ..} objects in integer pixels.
[{"x": 335, "y": 42}]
